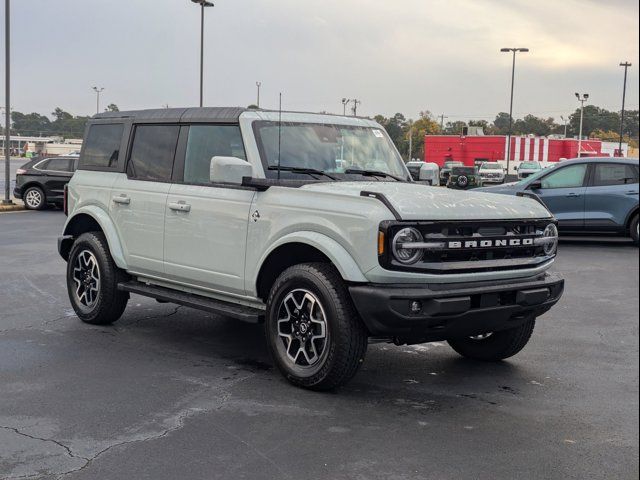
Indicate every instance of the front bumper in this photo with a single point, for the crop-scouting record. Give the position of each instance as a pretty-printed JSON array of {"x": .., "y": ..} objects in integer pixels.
[
  {"x": 453, "y": 310},
  {"x": 17, "y": 192}
]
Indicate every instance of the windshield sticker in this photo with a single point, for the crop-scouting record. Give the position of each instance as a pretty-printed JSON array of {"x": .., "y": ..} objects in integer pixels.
[{"x": 378, "y": 133}]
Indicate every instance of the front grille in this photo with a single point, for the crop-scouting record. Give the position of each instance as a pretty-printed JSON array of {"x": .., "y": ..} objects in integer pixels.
[{"x": 465, "y": 247}]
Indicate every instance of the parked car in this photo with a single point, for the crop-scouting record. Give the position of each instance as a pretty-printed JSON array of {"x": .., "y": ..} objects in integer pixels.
[
  {"x": 526, "y": 169},
  {"x": 464, "y": 178},
  {"x": 261, "y": 218},
  {"x": 445, "y": 171},
  {"x": 492, "y": 172},
  {"x": 40, "y": 182},
  {"x": 595, "y": 195},
  {"x": 424, "y": 172}
]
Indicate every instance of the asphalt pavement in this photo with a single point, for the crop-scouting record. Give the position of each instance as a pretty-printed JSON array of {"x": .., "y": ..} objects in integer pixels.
[{"x": 173, "y": 393}]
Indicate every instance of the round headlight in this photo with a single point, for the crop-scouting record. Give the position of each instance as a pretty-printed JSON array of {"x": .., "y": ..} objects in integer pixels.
[
  {"x": 550, "y": 236},
  {"x": 405, "y": 255}
]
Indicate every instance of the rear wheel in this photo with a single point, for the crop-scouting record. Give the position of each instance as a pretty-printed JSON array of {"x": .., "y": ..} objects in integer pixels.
[
  {"x": 314, "y": 333},
  {"x": 633, "y": 230},
  {"x": 492, "y": 347},
  {"x": 34, "y": 198},
  {"x": 92, "y": 281}
]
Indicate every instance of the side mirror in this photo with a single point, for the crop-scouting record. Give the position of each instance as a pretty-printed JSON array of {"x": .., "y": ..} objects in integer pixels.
[
  {"x": 537, "y": 185},
  {"x": 229, "y": 170}
]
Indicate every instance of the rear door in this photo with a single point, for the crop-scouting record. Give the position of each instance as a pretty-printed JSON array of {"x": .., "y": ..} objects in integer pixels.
[
  {"x": 206, "y": 223},
  {"x": 611, "y": 195},
  {"x": 56, "y": 174},
  {"x": 138, "y": 198},
  {"x": 563, "y": 192}
]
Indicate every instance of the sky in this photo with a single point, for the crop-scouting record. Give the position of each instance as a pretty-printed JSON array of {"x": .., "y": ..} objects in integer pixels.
[{"x": 394, "y": 56}]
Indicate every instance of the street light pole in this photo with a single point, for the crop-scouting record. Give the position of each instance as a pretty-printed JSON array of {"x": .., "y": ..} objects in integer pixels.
[
  {"x": 7, "y": 129},
  {"x": 345, "y": 102},
  {"x": 565, "y": 125},
  {"x": 581, "y": 98},
  {"x": 203, "y": 4},
  {"x": 514, "y": 50},
  {"x": 626, "y": 65},
  {"x": 97, "y": 90},
  {"x": 258, "y": 84}
]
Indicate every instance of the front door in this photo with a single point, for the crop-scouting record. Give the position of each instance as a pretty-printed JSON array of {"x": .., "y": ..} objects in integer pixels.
[
  {"x": 206, "y": 223},
  {"x": 563, "y": 192},
  {"x": 138, "y": 199}
]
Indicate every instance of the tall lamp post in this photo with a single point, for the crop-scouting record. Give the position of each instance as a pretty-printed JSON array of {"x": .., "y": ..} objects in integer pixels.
[
  {"x": 203, "y": 4},
  {"x": 513, "y": 50},
  {"x": 626, "y": 65},
  {"x": 98, "y": 90},
  {"x": 581, "y": 98},
  {"x": 565, "y": 125},
  {"x": 345, "y": 102},
  {"x": 7, "y": 130}
]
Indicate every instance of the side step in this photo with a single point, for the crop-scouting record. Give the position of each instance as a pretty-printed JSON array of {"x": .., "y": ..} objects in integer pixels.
[{"x": 212, "y": 305}]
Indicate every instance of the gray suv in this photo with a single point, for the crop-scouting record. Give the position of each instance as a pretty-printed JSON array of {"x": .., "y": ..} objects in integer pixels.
[{"x": 587, "y": 195}]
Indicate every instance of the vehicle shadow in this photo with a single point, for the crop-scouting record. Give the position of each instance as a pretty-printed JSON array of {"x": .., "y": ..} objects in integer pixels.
[{"x": 217, "y": 341}]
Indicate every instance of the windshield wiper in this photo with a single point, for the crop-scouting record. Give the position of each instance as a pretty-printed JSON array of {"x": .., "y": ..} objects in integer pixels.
[
  {"x": 373, "y": 173},
  {"x": 308, "y": 171}
]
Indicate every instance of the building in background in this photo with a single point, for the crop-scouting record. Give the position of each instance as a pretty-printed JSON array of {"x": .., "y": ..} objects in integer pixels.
[
  {"x": 46, "y": 146},
  {"x": 476, "y": 149}
]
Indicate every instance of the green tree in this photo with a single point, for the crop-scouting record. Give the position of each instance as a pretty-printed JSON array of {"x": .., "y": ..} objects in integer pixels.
[
  {"x": 532, "y": 125},
  {"x": 30, "y": 124},
  {"x": 595, "y": 118},
  {"x": 501, "y": 123},
  {"x": 112, "y": 107},
  {"x": 454, "y": 128}
]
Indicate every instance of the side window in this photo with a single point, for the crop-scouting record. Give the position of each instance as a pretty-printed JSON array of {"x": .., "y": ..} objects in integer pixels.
[
  {"x": 153, "y": 151},
  {"x": 102, "y": 146},
  {"x": 614, "y": 174},
  {"x": 205, "y": 142},
  {"x": 59, "y": 165},
  {"x": 566, "y": 177}
]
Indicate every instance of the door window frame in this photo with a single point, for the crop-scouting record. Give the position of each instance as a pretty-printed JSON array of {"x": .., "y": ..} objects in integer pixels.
[
  {"x": 181, "y": 156},
  {"x": 585, "y": 180},
  {"x": 132, "y": 137},
  {"x": 594, "y": 166}
]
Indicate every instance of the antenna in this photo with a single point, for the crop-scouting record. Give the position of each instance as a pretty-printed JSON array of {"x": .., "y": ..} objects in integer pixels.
[{"x": 279, "y": 132}]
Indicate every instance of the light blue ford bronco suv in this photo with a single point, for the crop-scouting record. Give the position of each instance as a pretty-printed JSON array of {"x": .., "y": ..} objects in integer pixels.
[{"x": 307, "y": 223}]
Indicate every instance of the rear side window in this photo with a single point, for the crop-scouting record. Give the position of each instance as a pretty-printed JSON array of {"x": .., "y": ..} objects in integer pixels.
[
  {"x": 152, "y": 153},
  {"x": 567, "y": 177},
  {"x": 59, "y": 165},
  {"x": 614, "y": 174},
  {"x": 205, "y": 142},
  {"x": 102, "y": 146}
]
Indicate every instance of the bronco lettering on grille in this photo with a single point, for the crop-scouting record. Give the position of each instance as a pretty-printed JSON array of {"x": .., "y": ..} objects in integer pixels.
[{"x": 511, "y": 242}]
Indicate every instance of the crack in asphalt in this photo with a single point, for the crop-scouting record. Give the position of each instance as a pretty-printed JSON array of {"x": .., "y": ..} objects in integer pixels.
[{"x": 178, "y": 420}]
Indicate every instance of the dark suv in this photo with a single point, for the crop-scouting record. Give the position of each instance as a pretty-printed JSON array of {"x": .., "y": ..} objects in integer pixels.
[
  {"x": 41, "y": 181},
  {"x": 464, "y": 178}
]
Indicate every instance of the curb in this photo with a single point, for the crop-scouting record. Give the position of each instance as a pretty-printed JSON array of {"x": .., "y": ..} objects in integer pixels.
[{"x": 11, "y": 208}]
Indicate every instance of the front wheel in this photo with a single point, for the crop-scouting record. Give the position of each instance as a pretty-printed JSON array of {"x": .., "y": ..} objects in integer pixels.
[
  {"x": 492, "y": 347},
  {"x": 314, "y": 333},
  {"x": 92, "y": 281}
]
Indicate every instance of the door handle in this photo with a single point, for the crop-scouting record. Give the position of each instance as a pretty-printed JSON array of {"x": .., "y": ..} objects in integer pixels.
[
  {"x": 122, "y": 200},
  {"x": 573, "y": 195},
  {"x": 180, "y": 206}
]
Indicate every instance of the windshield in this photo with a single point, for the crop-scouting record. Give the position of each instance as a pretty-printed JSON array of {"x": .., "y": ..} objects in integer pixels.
[
  {"x": 530, "y": 165},
  {"x": 331, "y": 149},
  {"x": 491, "y": 166},
  {"x": 536, "y": 175}
]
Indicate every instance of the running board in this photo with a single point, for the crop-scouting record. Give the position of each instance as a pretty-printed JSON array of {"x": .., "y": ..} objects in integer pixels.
[{"x": 211, "y": 305}]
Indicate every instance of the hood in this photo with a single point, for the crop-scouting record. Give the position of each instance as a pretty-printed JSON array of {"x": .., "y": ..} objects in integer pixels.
[{"x": 415, "y": 201}]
